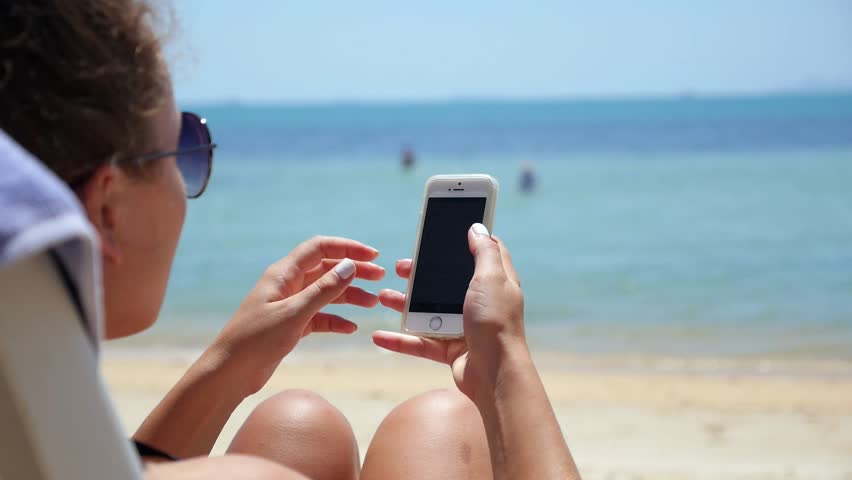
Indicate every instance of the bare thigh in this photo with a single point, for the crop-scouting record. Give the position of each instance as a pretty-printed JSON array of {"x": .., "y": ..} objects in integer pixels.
[
  {"x": 438, "y": 434},
  {"x": 301, "y": 430},
  {"x": 232, "y": 467}
]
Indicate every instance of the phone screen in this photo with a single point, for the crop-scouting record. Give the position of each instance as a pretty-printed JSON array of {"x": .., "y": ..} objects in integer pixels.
[{"x": 444, "y": 263}]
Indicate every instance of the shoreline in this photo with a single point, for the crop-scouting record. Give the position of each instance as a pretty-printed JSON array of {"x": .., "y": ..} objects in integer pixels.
[
  {"x": 315, "y": 350},
  {"x": 388, "y": 376}
]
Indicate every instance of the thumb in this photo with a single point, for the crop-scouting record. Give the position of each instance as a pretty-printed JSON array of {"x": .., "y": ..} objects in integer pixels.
[
  {"x": 485, "y": 250},
  {"x": 325, "y": 289}
]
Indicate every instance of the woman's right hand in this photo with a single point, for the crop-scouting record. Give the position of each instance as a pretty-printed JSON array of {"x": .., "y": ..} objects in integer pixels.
[
  {"x": 493, "y": 319},
  {"x": 286, "y": 304}
]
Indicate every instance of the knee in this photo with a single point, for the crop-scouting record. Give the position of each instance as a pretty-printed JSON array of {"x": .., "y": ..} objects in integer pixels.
[
  {"x": 442, "y": 406},
  {"x": 302, "y": 410},
  {"x": 303, "y": 431},
  {"x": 446, "y": 414},
  {"x": 447, "y": 427}
]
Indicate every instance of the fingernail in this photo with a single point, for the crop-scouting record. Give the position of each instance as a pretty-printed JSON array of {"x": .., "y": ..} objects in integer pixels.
[
  {"x": 345, "y": 268},
  {"x": 480, "y": 230}
]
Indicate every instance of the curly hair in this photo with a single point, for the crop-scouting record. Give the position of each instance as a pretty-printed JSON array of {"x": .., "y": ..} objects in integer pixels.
[{"x": 79, "y": 80}]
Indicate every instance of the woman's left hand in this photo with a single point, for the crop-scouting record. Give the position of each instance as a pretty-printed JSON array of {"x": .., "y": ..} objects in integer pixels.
[{"x": 285, "y": 306}]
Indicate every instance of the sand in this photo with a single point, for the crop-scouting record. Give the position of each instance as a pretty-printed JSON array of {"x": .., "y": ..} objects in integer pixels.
[{"x": 630, "y": 418}]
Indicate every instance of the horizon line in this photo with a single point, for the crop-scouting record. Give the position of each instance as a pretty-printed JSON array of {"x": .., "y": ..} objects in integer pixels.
[{"x": 461, "y": 99}]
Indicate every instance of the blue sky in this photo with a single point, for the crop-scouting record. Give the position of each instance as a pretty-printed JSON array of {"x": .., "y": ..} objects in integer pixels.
[{"x": 318, "y": 51}]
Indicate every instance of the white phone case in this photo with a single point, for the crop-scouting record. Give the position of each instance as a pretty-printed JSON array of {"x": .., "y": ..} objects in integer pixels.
[{"x": 446, "y": 186}]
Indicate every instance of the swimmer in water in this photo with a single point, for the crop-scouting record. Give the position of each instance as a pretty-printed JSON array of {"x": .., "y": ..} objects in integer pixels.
[
  {"x": 407, "y": 158},
  {"x": 527, "y": 178}
]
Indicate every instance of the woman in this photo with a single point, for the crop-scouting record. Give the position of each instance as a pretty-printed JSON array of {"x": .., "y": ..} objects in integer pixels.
[{"x": 84, "y": 88}]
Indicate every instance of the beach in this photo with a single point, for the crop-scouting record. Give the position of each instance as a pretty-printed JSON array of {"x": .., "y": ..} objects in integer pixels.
[
  {"x": 685, "y": 264},
  {"x": 622, "y": 418}
]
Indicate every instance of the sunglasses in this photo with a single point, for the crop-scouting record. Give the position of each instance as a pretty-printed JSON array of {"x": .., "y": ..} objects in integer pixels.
[{"x": 194, "y": 154}]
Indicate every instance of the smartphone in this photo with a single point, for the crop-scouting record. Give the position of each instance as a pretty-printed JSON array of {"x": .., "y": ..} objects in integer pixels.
[{"x": 442, "y": 264}]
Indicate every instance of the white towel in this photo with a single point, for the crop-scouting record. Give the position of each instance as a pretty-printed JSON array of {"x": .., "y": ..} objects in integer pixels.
[{"x": 38, "y": 212}]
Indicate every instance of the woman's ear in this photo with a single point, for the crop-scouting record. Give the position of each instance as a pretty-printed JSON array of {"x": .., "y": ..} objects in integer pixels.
[{"x": 98, "y": 195}]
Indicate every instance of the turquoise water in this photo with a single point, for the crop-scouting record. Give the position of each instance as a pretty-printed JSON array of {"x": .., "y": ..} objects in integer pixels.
[{"x": 736, "y": 242}]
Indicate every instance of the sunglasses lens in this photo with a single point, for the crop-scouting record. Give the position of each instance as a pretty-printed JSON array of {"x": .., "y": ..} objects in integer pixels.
[{"x": 194, "y": 166}]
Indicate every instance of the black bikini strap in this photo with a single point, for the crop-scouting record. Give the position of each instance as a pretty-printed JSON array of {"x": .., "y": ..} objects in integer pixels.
[{"x": 149, "y": 451}]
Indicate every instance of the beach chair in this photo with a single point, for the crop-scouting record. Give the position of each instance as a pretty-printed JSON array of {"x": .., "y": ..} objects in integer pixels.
[{"x": 56, "y": 419}]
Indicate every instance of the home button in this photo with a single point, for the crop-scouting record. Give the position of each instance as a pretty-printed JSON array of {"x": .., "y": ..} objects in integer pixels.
[{"x": 435, "y": 323}]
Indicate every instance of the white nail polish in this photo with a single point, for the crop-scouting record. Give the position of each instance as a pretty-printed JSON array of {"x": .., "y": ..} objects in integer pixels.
[
  {"x": 480, "y": 230},
  {"x": 345, "y": 268}
]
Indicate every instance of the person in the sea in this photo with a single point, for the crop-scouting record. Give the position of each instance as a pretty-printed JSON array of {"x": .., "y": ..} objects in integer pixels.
[
  {"x": 527, "y": 179},
  {"x": 407, "y": 158},
  {"x": 84, "y": 87}
]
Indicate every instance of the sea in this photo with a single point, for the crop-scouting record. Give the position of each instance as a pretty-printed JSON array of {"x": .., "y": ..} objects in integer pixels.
[{"x": 683, "y": 226}]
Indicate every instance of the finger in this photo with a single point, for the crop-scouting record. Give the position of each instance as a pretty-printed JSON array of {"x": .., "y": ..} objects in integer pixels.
[
  {"x": 427, "y": 348},
  {"x": 508, "y": 265},
  {"x": 329, "y": 323},
  {"x": 403, "y": 267},
  {"x": 309, "y": 253},
  {"x": 364, "y": 270},
  {"x": 485, "y": 250},
  {"x": 392, "y": 299},
  {"x": 358, "y": 297},
  {"x": 322, "y": 292}
]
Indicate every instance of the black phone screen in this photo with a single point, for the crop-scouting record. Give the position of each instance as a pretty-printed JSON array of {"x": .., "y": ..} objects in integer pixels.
[{"x": 444, "y": 263}]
